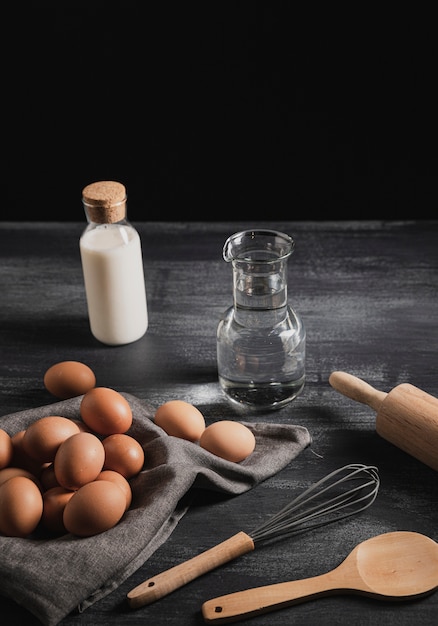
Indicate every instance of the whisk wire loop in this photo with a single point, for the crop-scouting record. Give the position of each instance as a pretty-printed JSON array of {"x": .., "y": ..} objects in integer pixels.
[{"x": 310, "y": 505}]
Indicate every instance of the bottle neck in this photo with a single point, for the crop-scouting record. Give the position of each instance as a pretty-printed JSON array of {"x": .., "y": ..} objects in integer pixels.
[
  {"x": 98, "y": 224},
  {"x": 97, "y": 215}
]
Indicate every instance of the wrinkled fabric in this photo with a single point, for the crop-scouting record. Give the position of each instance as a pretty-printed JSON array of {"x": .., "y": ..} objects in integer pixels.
[{"x": 52, "y": 577}]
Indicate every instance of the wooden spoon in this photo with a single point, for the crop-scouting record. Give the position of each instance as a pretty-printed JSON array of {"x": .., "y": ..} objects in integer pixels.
[{"x": 392, "y": 566}]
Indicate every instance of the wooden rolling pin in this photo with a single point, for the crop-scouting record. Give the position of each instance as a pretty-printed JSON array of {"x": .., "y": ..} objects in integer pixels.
[{"x": 406, "y": 416}]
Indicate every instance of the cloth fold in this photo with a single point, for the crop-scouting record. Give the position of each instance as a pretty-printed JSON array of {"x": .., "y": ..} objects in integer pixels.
[{"x": 52, "y": 577}]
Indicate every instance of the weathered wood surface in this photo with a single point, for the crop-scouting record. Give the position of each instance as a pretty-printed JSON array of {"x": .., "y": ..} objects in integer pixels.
[{"x": 368, "y": 295}]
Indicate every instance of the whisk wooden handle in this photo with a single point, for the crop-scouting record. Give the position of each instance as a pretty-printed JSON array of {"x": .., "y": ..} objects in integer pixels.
[
  {"x": 175, "y": 577},
  {"x": 357, "y": 389}
]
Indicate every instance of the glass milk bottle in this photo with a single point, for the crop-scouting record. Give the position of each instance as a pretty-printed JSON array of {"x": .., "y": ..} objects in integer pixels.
[
  {"x": 112, "y": 266},
  {"x": 261, "y": 341}
]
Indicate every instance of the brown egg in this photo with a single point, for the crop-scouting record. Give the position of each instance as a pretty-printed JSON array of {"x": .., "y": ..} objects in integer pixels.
[
  {"x": 20, "y": 458},
  {"x": 43, "y": 437},
  {"x": 21, "y": 507},
  {"x": 69, "y": 379},
  {"x": 79, "y": 460},
  {"x": 54, "y": 501},
  {"x": 230, "y": 440},
  {"x": 6, "y": 448},
  {"x": 9, "y": 472},
  {"x": 94, "y": 508},
  {"x": 106, "y": 411},
  {"x": 123, "y": 454},
  {"x": 180, "y": 419},
  {"x": 47, "y": 477},
  {"x": 118, "y": 479}
]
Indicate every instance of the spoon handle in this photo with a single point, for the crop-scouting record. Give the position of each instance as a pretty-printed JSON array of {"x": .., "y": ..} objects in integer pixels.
[{"x": 243, "y": 604}]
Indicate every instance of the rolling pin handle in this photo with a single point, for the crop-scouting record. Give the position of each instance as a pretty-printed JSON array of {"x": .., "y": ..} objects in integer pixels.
[{"x": 357, "y": 389}]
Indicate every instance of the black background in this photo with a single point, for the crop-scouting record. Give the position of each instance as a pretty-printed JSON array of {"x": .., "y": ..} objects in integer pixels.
[{"x": 218, "y": 110}]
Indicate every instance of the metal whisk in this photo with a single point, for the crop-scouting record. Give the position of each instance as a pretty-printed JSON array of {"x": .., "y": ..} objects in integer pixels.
[
  {"x": 342, "y": 493},
  {"x": 300, "y": 514}
]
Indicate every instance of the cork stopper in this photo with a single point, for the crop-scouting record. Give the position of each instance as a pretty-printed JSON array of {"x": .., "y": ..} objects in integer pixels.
[{"x": 105, "y": 202}]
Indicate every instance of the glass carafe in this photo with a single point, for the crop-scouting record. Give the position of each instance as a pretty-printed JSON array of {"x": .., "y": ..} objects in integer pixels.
[{"x": 261, "y": 340}]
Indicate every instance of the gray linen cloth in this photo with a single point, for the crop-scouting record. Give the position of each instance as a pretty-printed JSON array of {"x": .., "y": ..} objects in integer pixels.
[{"x": 52, "y": 577}]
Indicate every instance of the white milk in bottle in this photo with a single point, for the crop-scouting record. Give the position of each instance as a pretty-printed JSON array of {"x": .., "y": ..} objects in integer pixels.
[{"x": 112, "y": 265}]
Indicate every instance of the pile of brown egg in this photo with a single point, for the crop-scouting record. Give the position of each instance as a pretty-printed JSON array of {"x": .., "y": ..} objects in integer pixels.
[{"x": 63, "y": 475}]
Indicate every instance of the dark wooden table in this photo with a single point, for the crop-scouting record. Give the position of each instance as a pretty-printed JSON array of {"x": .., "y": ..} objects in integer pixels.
[{"x": 368, "y": 295}]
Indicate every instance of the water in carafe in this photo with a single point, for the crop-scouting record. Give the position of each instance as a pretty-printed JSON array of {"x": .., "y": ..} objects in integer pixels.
[{"x": 261, "y": 340}]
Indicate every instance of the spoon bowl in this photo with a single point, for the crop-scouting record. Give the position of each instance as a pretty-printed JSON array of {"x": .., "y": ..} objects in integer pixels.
[{"x": 398, "y": 565}]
